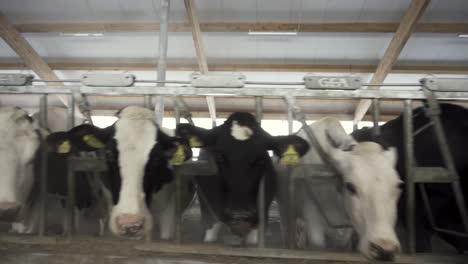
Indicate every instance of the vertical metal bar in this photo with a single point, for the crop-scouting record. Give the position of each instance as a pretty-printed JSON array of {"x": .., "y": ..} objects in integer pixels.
[
  {"x": 147, "y": 101},
  {"x": 447, "y": 157},
  {"x": 70, "y": 200},
  {"x": 290, "y": 120},
  {"x": 259, "y": 108},
  {"x": 178, "y": 195},
  {"x": 178, "y": 209},
  {"x": 291, "y": 213},
  {"x": 212, "y": 109},
  {"x": 162, "y": 61},
  {"x": 262, "y": 212},
  {"x": 376, "y": 116},
  {"x": 43, "y": 181},
  {"x": 70, "y": 178},
  {"x": 409, "y": 168}
]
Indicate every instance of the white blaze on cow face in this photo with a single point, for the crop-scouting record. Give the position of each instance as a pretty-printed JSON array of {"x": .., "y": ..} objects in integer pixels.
[
  {"x": 239, "y": 132},
  {"x": 135, "y": 133},
  {"x": 371, "y": 190},
  {"x": 18, "y": 145}
]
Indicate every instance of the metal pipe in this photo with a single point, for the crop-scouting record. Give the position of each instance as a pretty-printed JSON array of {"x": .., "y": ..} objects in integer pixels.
[
  {"x": 291, "y": 210},
  {"x": 259, "y": 108},
  {"x": 162, "y": 61},
  {"x": 447, "y": 157},
  {"x": 409, "y": 168},
  {"x": 178, "y": 209},
  {"x": 147, "y": 101},
  {"x": 290, "y": 120},
  {"x": 262, "y": 210},
  {"x": 70, "y": 199},
  {"x": 70, "y": 176},
  {"x": 211, "y": 109},
  {"x": 376, "y": 116},
  {"x": 43, "y": 181}
]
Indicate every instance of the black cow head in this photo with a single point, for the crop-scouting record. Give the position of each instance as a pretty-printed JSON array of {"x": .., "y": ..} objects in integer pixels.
[
  {"x": 139, "y": 158},
  {"x": 240, "y": 148}
]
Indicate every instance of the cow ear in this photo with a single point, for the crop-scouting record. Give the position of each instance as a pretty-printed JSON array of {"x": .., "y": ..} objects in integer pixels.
[
  {"x": 59, "y": 142},
  {"x": 90, "y": 138},
  {"x": 176, "y": 149},
  {"x": 289, "y": 148},
  {"x": 197, "y": 137}
]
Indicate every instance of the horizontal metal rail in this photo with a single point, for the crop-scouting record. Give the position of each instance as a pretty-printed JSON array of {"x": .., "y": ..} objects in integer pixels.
[{"x": 230, "y": 92}]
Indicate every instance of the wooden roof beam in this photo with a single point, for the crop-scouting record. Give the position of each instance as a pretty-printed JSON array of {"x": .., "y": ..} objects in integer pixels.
[
  {"x": 200, "y": 51},
  {"x": 403, "y": 33},
  {"x": 95, "y": 65},
  {"x": 27, "y": 53},
  {"x": 365, "y": 27}
]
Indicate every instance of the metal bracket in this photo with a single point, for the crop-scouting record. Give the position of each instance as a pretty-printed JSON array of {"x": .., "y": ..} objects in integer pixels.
[
  {"x": 332, "y": 82},
  {"x": 114, "y": 80},
  {"x": 16, "y": 79},
  {"x": 234, "y": 80},
  {"x": 446, "y": 84}
]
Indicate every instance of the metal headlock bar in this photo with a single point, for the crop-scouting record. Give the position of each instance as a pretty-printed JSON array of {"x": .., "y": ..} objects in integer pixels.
[{"x": 432, "y": 89}]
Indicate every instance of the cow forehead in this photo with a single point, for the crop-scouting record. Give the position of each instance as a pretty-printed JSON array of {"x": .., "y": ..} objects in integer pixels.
[{"x": 369, "y": 170}]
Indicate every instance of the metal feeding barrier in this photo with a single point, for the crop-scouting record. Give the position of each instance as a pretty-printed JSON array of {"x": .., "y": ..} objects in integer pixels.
[{"x": 314, "y": 87}]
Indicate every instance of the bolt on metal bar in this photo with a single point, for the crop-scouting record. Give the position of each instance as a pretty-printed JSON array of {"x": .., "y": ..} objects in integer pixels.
[
  {"x": 376, "y": 116},
  {"x": 43, "y": 181},
  {"x": 409, "y": 169}
]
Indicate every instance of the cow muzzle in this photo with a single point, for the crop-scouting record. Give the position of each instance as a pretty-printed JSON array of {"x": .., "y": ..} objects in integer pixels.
[
  {"x": 383, "y": 250},
  {"x": 241, "y": 221},
  {"x": 130, "y": 225},
  {"x": 9, "y": 211}
]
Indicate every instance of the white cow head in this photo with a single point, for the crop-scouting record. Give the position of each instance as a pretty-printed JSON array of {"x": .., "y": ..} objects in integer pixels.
[
  {"x": 371, "y": 188},
  {"x": 19, "y": 142}
]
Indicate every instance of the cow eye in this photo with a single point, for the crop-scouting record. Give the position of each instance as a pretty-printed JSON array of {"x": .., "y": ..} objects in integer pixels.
[{"x": 351, "y": 188}]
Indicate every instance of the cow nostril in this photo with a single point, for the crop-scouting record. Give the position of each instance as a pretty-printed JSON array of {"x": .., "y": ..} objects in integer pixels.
[
  {"x": 130, "y": 224},
  {"x": 385, "y": 252}
]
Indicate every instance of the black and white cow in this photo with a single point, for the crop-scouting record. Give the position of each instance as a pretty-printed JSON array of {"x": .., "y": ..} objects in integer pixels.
[
  {"x": 138, "y": 155},
  {"x": 455, "y": 123},
  {"x": 21, "y": 139},
  {"x": 239, "y": 148}
]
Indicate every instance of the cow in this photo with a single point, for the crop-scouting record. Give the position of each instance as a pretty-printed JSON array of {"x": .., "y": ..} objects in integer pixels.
[
  {"x": 239, "y": 149},
  {"x": 19, "y": 195},
  {"x": 139, "y": 156},
  {"x": 363, "y": 195},
  {"x": 454, "y": 119}
]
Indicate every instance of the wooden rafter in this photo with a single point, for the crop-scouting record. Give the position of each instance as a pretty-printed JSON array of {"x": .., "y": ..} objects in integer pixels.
[
  {"x": 95, "y": 65},
  {"x": 200, "y": 51},
  {"x": 365, "y": 27},
  {"x": 403, "y": 33},
  {"x": 27, "y": 53}
]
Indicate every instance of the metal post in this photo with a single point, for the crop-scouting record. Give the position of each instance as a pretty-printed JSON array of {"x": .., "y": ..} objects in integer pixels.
[
  {"x": 43, "y": 181},
  {"x": 447, "y": 156},
  {"x": 162, "y": 62},
  {"x": 291, "y": 213},
  {"x": 178, "y": 209},
  {"x": 290, "y": 120},
  {"x": 178, "y": 195},
  {"x": 70, "y": 176},
  {"x": 409, "y": 168},
  {"x": 211, "y": 109},
  {"x": 376, "y": 116},
  {"x": 147, "y": 101},
  {"x": 259, "y": 108},
  {"x": 262, "y": 213}
]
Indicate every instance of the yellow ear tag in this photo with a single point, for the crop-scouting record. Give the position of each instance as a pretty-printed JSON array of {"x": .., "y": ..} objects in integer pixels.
[
  {"x": 290, "y": 156},
  {"x": 64, "y": 148},
  {"x": 92, "y": 141},
  {"x": 179, "y": 156},
  {"x": 195, "y": 142}
]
